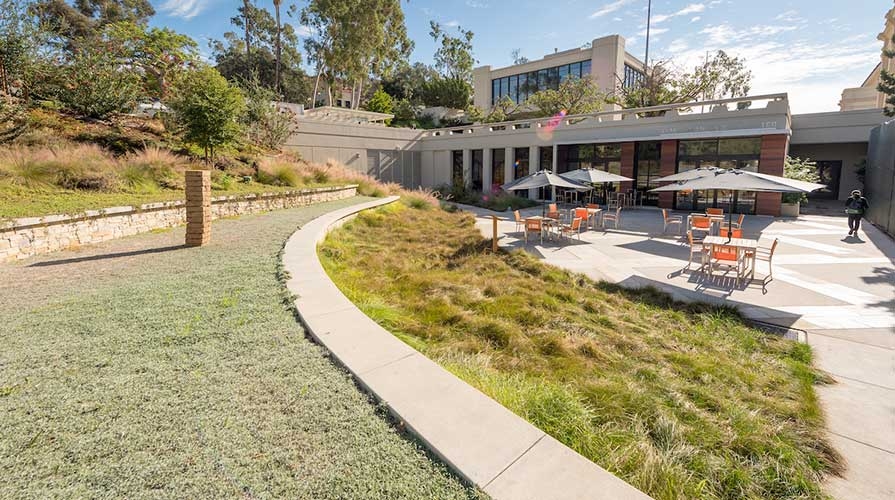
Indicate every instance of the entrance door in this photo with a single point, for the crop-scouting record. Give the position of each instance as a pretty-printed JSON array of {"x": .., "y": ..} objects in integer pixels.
[{"x": 829, "y": 173}]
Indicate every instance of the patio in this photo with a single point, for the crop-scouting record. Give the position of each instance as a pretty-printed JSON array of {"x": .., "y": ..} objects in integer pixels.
[{"x": 840, "y": 291}]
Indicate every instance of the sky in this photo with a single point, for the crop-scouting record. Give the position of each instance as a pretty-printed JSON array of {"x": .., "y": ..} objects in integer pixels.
[{"x": 811, "y": 49}]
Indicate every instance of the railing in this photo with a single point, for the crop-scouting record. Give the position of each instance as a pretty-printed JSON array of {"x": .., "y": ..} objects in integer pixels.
[{"x": 662, "y": 112}]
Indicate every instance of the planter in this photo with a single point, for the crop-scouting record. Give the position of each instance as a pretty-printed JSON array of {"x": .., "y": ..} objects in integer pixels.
[{"x": 789, "y": 209}]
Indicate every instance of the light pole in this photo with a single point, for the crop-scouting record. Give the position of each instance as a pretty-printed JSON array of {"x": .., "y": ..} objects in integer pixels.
[{"x": 649, "y": 11}]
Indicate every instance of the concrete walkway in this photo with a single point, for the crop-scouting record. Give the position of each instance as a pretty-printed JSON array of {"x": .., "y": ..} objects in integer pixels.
[
  {"x": 840, "y": 290},
  {"x": 487, "y": 444}
]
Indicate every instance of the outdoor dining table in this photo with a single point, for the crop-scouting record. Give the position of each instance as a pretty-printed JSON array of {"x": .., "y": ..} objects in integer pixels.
[
  {"x": 546, "y": 223},
  {"x": 592, "y": 215},
  {"x": 741, "y": 245},
  {"x": 714, "y": 220}
]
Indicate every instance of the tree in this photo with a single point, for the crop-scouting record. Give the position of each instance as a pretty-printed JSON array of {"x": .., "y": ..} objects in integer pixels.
[
  {"x": 575, "y": 96},
  {"x": 265, "y": 125},
  {"x": 381, "y": 102},
  {"x": 407, "y": 82},
  {"x": 20, "y": 41},
  {"x": 453, "y": 58},
  {"x": 247, "y": 9},
  {"x": 800, "y": 169},
  {"x": 887, "y": 83},
  {"x": 354, "y": 40},
  {"x": 719, "y": 76},
  {"x": 86, "y": 18},
  {"x": 92, "y": 82},
  {"x": 207, "y": 109},
  {"x": 279, "y": 44},
  {"x": 517, "y": 56},
  {"x": 156, "y": 51},
  {"x": 448, "y": 92},
  {"x": 232, "y": 61}
]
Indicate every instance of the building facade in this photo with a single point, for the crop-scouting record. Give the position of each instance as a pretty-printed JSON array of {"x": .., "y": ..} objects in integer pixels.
[
  {"x": 605, "y": 60},
  {"x": 867, "y": 96}
]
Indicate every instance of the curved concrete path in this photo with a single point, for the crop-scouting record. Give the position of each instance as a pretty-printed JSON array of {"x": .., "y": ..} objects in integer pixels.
[{"x": 481, "y": 440}]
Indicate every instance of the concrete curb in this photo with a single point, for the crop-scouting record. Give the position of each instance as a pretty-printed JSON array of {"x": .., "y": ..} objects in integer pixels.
[{"x": 479, "y": 439}]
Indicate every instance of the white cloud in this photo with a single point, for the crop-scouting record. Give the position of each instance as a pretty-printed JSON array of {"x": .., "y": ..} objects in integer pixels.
[
  {"x": 475, "y": 4},
  {"x": 790, "y": 16},
  {"x": 185, "y": 9},
  {"x": 653, "y": 32},
  {"x": 678, "y": 45},
  {"x": 303, "y": 30},
  {"x": 697, "y": 18},
  {"x": 452, "y": 23},
  {"x": 693, "y": 8},
  {"x": 609, "y": 8}
]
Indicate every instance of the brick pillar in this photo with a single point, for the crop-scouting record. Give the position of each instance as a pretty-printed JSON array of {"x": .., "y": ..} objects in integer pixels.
[
  {"x": 627, "y": 165},
  {"x": 773, "y": 155},
  {"x": 667, "y": 166},
  {"x": 198, "y": 207}
]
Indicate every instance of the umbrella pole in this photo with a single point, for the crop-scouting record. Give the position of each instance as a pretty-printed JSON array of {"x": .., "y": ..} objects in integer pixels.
[{"x": 730, "y": 217}]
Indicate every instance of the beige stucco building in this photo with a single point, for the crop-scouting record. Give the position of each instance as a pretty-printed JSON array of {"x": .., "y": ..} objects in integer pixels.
[
  {"x": 866, "y": 96},
  {"x": 605, "y": 60}
]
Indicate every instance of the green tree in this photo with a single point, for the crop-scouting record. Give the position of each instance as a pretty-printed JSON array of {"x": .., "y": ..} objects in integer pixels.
[
  {"x": 517, "y": 56},
  {"x": 574, "y": 96},
  {"x": 156, "y": 51},
  {"x": 408, "y": 80},
  {"x": 887, "y": 83},
  {"x": 448, "y": 92},
  {"x": 381, "y": 102},
  {"x": 405, "y": 115},
  {"x": 92, "y": 82},
  {"x": 232, "y": 61},
  {"x": 85, "y": 18},
  {"x": 800, "y": 169},
  {"x": 207, "y": 109},
  {"x": 453, "y": 57},
  {"x": 265, "y": 125},
  {"x": 354, "y": 40}
]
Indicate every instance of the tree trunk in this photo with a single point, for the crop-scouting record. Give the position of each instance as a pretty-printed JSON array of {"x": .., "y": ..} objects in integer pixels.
[
  {"x": 360, "y": 92},
  {"x": 276, "y": 5},
  {"x": 246, "y": 8},
  {"x": 316, "y": 88}
]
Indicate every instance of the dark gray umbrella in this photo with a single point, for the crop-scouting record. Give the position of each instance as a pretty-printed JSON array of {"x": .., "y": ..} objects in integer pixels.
[
  {"x": 736, "y": 180},
  {"x": 594, "y": 176}
]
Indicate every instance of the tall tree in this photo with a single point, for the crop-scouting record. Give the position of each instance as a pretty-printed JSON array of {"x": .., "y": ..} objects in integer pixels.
[
  {"x": 517, "y": 56},
  {"x": 156, "y": 51},
  {"x": 355, "y": 40},
  {"x": 85, "y": 18},
  {"x": 276, "y": 6},
  {"x": 230, "y": 56},
  {"x": 887, "y": 82},
  {"x": 575, "y": 96},
  {"x": 247, "y": 15},
  {"x": 453, "y": 57}
]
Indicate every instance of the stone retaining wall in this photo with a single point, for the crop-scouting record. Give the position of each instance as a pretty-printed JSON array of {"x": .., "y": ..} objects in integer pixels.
[{"x": 25, "y": 237}]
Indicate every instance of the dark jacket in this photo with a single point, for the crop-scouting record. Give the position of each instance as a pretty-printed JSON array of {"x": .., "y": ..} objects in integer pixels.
[{"x": 857, "y": 204}]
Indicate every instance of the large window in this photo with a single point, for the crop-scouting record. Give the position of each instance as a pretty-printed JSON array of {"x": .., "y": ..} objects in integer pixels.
[
  {"x": 606, "y": 157},
  {"x": 646, "y": 170},
  {"x": 478, "y": 162},
  {"x": 498, "y": 160},
  {"x": 521, "y": 86},
  {"x": 742, "y": 153},
  {"x": 457, "y": 168},
  {"x": 520, "y": 163},
  {"x": 632, "y": 78}
]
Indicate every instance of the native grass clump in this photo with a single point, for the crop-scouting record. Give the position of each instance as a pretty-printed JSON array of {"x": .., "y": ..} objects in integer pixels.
[{"x": 682, "y": 401}]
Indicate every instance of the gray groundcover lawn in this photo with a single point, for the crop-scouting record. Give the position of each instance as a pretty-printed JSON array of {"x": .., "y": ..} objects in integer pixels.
[{"x": 139, "y": 368}]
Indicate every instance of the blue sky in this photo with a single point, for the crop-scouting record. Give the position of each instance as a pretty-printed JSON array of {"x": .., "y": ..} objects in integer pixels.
[{"x": 809, "y": 48}]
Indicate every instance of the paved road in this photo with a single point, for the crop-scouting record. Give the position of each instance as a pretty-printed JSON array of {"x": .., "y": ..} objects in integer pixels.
[{"x": 840, "y": 290}]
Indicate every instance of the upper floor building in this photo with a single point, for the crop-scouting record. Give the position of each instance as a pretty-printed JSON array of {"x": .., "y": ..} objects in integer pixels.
[
  {"x": 605, "y": 60},
  {"x": 867, "y": 96}
]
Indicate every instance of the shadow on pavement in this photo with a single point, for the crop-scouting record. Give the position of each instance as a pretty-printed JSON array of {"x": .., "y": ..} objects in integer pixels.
[{"x": 106, "y": 256}]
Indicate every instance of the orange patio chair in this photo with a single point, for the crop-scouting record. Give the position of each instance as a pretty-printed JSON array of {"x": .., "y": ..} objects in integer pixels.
[
  {"x": 765, "y": 254},
  {"x": 670, "y": 220},
  {"x": 534, "y": 226},
  {"x": 737, "y": 233},
  {"x": 724, "y": 255},
  {"x": 714, "y": 211},
  {"x": 739, "y": 222},
  {"x": 519, "y": 222},
  {"x": 696, "y": 249},
  {"x": 553, "y": 211},
  {"x": 700, "y": 223},
  {"x": 568, "y": 230}
]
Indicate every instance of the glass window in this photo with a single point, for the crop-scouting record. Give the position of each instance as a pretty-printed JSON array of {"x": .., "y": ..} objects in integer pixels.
[
  {"x": 532, "y": 82},
  {"x": 563, "y": 73},
  {"x": 698, "y": 148},
  {"x": 609, "y": 151},
  {"x": 495, "y": 91},
  {"x": 520, "y": 165},
  {"x": 546, "y": 153},
  {"x": 523, "y": 87},
  {"x": 477, "y": 170},
  {"x": 585, "y": 68},
  {"x": 553, "y": 78},
  {"x": 457, "y": 168},
  {"x": 513, "y": 88},
  {"x": 542, "y": 79},
  {"x": 504, "y": 87},
  {"x": 575, "y": 70},
  {"x": 497, "y": 164},
  {"x": 746, "y": 146}
]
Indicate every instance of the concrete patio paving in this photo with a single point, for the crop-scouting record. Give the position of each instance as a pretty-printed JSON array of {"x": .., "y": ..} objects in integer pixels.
[{"x": 840, "y": 290}]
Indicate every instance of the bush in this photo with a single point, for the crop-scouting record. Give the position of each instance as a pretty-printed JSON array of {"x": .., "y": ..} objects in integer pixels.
[
  {"x": 498, "y": 202},
  {"x": 94, "y": 84},
  {"x": 265, "y": 125},
  {"x": 164, "y": 168},
  {"x": 71, "y": 167},
  {"x": 448, "y": 92},
  {"x": 207, "y": 108},
  {"x": 380, "y": 103},
  {"x": 800, "y": 169},
  {"x": 279, "y": 174}
]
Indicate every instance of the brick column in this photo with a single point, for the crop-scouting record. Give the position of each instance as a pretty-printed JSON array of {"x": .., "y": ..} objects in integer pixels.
[
  {"x": 627, "y": 165},
  {"x": 773, "y": 155},
  {"x": 198, "y": 207},
  {"x": 667, "y": 166}
]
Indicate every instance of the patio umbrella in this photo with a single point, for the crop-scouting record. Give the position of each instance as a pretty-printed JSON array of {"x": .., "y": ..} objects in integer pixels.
[
  {"x": 543, "y": 178},
  {"x": 594, "y": 176},
  {"x": 737, "y": 180},
  {"x": 686, "y": 175}
]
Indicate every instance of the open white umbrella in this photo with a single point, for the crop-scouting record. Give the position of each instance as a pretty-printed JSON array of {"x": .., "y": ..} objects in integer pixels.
[
  {"x": 543, "y": 178},
  {"x": 737, "y": 180},
  {"x": 594, "y": 176}
]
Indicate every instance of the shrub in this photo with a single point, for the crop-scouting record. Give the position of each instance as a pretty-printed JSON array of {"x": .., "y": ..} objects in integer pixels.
[
  {"x": 380, "y": 103},
  {"x": 94, "y": 84},
  {"x": 278, "y": 174},
  {"x": 265, "y": 126},
  {"x": 448, "y": 92},
  {"x": 163, "y": 167},
  {"x": 800, "y": 169}
]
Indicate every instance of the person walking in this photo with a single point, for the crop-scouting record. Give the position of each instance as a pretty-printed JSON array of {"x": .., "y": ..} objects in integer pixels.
[{"x": 855, "y": 207}]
